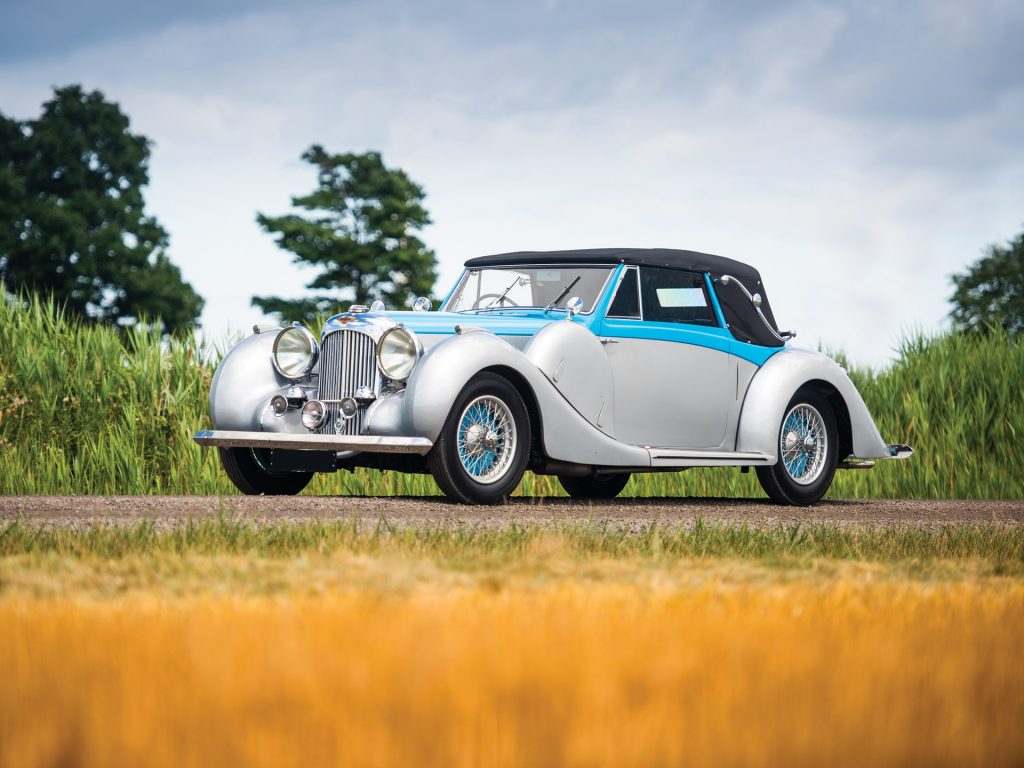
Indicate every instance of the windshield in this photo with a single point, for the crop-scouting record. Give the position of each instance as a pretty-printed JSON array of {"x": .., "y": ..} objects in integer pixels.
[{"x": 544, "y": 287}]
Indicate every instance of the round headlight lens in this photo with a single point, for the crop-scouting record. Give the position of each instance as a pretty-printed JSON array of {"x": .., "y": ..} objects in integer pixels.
[
  {"x": 295, "y": 352},
  {"x": 396, "y": 353}
]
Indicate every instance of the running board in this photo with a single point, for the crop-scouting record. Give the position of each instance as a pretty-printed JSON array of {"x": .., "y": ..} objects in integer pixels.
[{"x": 680, "y": 457}]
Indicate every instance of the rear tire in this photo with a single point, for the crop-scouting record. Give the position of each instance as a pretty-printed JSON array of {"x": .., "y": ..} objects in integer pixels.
[
  {"x": 600, "y": 487},
  {"x": 481, "y": 454},
  {"x": 248, "y": 471},
  {"x": 808, "y": 445}
]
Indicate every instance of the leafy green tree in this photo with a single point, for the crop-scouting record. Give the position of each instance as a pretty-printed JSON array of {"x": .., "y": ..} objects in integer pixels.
[
  {"x": 359, "y": 229},
  {"x": 72, "y": 216},
  {"x": 991, "y": 291}
]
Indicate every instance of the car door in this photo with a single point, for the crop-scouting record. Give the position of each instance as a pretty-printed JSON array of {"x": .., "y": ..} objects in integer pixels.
[{"x": 674, "y": 378}]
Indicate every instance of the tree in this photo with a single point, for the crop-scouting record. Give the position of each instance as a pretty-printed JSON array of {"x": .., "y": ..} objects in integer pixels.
[
  {"x": 991, "y": 291},
  {"x": 72, "y": 216},
  {"x": 359, "y": 229}
]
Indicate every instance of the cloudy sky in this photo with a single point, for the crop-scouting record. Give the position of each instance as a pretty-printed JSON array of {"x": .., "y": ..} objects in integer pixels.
[{"x": 857, "y": 153}]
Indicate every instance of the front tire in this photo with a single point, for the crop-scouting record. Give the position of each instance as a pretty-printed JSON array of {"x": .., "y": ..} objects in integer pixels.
[
  {"x": 599, "y": 487},
  {"x": 481, "y": 453},
  {"x": 248, "y": 471},
  {"x": 808, "y": 445}
]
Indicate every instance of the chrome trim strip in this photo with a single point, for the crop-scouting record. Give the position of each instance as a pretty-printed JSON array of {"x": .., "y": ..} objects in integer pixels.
[
  {"x": 313, "y": 442},
  {"x": 782, "y": 336}
]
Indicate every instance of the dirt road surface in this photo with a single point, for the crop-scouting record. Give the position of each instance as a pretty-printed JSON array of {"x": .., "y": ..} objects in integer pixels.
[{"x": 626, "y": 512}]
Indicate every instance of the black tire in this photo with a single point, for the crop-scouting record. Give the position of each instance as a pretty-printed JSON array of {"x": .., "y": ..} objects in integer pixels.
[
  {"x": 252, "y": 478},
  {"x": 447, "y": 467},
  {"x": 600, "y": 487},
  {"x": 777, "y": 480}
]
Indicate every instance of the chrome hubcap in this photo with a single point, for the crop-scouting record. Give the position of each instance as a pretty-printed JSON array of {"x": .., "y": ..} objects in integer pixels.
[
  {"x": 803, "y": 444},
  {"x": 486, "y": 439}
]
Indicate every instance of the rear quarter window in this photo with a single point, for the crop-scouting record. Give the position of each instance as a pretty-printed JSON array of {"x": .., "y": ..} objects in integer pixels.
[{"x": 675, "y": 296}]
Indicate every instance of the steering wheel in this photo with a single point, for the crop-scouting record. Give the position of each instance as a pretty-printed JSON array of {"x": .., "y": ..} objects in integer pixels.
[{"x": 504, "y": 300}]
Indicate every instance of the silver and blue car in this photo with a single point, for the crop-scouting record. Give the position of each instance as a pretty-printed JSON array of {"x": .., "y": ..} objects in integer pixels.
[{"x": 590, "y": 365}]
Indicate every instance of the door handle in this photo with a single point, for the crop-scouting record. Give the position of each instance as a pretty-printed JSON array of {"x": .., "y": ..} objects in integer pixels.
[{"x": 609, "y": 341}]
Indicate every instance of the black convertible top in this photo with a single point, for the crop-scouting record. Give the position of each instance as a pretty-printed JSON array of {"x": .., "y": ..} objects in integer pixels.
[{"x": 740, "y": 316}]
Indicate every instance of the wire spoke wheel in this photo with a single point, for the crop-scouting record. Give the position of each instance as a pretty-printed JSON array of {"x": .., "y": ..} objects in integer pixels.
[
  {"x": 486, "y": 440},
  {"x": 803, "y": 444},
  {"x": 484, "y": 446}
]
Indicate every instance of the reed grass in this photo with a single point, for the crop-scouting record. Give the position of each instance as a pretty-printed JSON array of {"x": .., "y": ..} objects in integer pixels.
[{"x": 90, "y": 410}]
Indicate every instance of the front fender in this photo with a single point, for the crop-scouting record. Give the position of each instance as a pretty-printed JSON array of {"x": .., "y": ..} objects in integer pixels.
[
  {"x": 774, "y": 385},
  {"x": 441, "y": 374},
  {"x": 243, "y": 385}
]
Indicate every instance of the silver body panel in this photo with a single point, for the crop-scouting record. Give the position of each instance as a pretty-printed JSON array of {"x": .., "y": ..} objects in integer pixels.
[
  {"x": 573, "y": 359},
  {"x": 671, "y": 394}
]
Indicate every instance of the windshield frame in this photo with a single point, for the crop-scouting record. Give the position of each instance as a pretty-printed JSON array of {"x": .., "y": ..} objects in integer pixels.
[{"x": 455, "y": 291}]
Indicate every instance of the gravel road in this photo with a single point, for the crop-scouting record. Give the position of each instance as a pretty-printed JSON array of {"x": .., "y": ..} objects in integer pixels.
[{"x": 171, "y": 510}]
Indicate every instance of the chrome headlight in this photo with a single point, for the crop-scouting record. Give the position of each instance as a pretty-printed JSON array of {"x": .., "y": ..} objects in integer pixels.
[
  {"x": 397, "y": 351},
  {"x": 295, "y": 352}
]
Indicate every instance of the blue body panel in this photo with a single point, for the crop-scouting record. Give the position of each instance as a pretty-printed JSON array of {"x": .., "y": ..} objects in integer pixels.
[
  {"x": 526, "y": 322},
  {"x": 504, "y": 322}
]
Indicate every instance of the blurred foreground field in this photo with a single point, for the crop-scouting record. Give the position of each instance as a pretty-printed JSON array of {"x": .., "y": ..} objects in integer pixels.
[
  {"x": 852, "y": 673},
  {"x": 320, "y": 644}
]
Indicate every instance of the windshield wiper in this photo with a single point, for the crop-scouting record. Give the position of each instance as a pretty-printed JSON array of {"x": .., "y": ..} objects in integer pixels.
[
  {"x": 504, "y": 293},
  {"x": 554, "y": 302}
]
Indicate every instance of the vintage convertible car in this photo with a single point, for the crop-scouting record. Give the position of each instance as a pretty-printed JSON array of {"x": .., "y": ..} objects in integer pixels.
[{"x": 590, "y": 365}]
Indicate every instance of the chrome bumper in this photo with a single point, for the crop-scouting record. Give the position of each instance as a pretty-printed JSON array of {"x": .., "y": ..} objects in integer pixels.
[{"x": 313, "y": 442}]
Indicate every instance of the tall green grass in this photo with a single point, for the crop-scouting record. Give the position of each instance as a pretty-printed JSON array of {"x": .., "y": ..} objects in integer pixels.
[{"x": 87, "y": 410}]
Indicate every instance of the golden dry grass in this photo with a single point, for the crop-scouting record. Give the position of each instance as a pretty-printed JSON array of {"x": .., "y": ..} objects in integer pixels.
[{"x": 855, "y": 670}]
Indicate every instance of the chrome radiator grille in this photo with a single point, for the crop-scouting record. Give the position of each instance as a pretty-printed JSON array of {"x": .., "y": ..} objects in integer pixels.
[{"x": 348, "y": 360}]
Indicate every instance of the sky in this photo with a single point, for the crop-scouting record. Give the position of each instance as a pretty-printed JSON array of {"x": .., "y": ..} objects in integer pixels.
[{"x": 856, "y": 153}]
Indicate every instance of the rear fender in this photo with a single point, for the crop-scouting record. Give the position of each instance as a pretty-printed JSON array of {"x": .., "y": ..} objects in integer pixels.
[{"x": 774, "y": 385}]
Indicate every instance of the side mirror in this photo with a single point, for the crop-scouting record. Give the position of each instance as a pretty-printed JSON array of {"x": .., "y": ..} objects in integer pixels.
[
  {"x": 573, "y": 307},
  {"x": 422, "y": 304}
]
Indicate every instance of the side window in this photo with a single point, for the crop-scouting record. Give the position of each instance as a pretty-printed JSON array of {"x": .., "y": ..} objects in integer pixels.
[
  {"x": 675, "y": 296},
  {"x": 627, "y": 298}
]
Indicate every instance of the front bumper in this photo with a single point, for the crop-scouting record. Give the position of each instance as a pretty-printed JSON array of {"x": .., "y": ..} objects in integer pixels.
[{"x": 314, "y": 442}]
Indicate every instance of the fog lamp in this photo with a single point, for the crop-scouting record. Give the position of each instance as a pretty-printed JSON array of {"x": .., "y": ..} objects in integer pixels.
[{"x": 313, "y": 414}]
